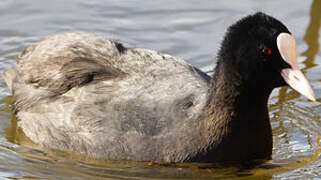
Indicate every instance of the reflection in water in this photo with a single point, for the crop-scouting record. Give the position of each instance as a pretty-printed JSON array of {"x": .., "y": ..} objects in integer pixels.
[
  {"x": 312, "y": 34},
  {"x": 13, "y": 133}
]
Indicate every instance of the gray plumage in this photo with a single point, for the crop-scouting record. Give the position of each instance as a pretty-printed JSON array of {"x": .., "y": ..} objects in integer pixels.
[{"x": 81, "y": 92}]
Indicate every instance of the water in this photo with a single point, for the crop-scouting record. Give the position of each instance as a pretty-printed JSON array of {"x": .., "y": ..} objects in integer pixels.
[{"x": 191, "y": 30}]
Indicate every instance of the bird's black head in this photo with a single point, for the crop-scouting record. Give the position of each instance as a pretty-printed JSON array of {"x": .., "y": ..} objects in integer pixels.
[{"x": 259, "y": 51}]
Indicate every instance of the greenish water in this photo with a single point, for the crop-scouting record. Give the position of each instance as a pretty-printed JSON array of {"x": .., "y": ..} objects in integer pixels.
[{"x": 191, "y": 30}]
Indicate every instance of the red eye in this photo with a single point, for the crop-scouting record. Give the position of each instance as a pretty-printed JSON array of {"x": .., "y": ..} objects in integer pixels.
[{"x": 267, "y": 51}]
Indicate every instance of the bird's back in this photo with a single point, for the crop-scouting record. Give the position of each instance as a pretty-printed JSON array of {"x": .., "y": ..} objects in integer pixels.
[{"x": 81, "y": 92}]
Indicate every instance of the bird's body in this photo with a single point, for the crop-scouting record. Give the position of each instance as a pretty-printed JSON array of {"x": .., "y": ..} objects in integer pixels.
[
  {"x": 149, "y": 94},
  {"x": 81, "y": 92}
]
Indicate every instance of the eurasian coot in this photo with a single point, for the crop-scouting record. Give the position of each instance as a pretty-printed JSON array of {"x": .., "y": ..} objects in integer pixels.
[{"x": 84, "y": 93}]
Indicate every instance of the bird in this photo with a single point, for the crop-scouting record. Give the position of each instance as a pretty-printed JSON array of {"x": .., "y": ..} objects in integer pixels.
[{"x": 80, "y": 92}]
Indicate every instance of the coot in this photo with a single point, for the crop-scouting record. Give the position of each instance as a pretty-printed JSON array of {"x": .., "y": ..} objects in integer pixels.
[{"x": 80, "y": 92}]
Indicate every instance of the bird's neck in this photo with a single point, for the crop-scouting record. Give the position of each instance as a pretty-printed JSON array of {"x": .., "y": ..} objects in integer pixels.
[{"x": 237, "y": 122}]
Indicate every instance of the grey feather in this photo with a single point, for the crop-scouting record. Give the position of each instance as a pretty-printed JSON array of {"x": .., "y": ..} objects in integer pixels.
[{"x": 95, "y": 96}]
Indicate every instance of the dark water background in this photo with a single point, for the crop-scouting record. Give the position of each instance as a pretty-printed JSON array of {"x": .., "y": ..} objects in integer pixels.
[{"x": 191, "y": 30}]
